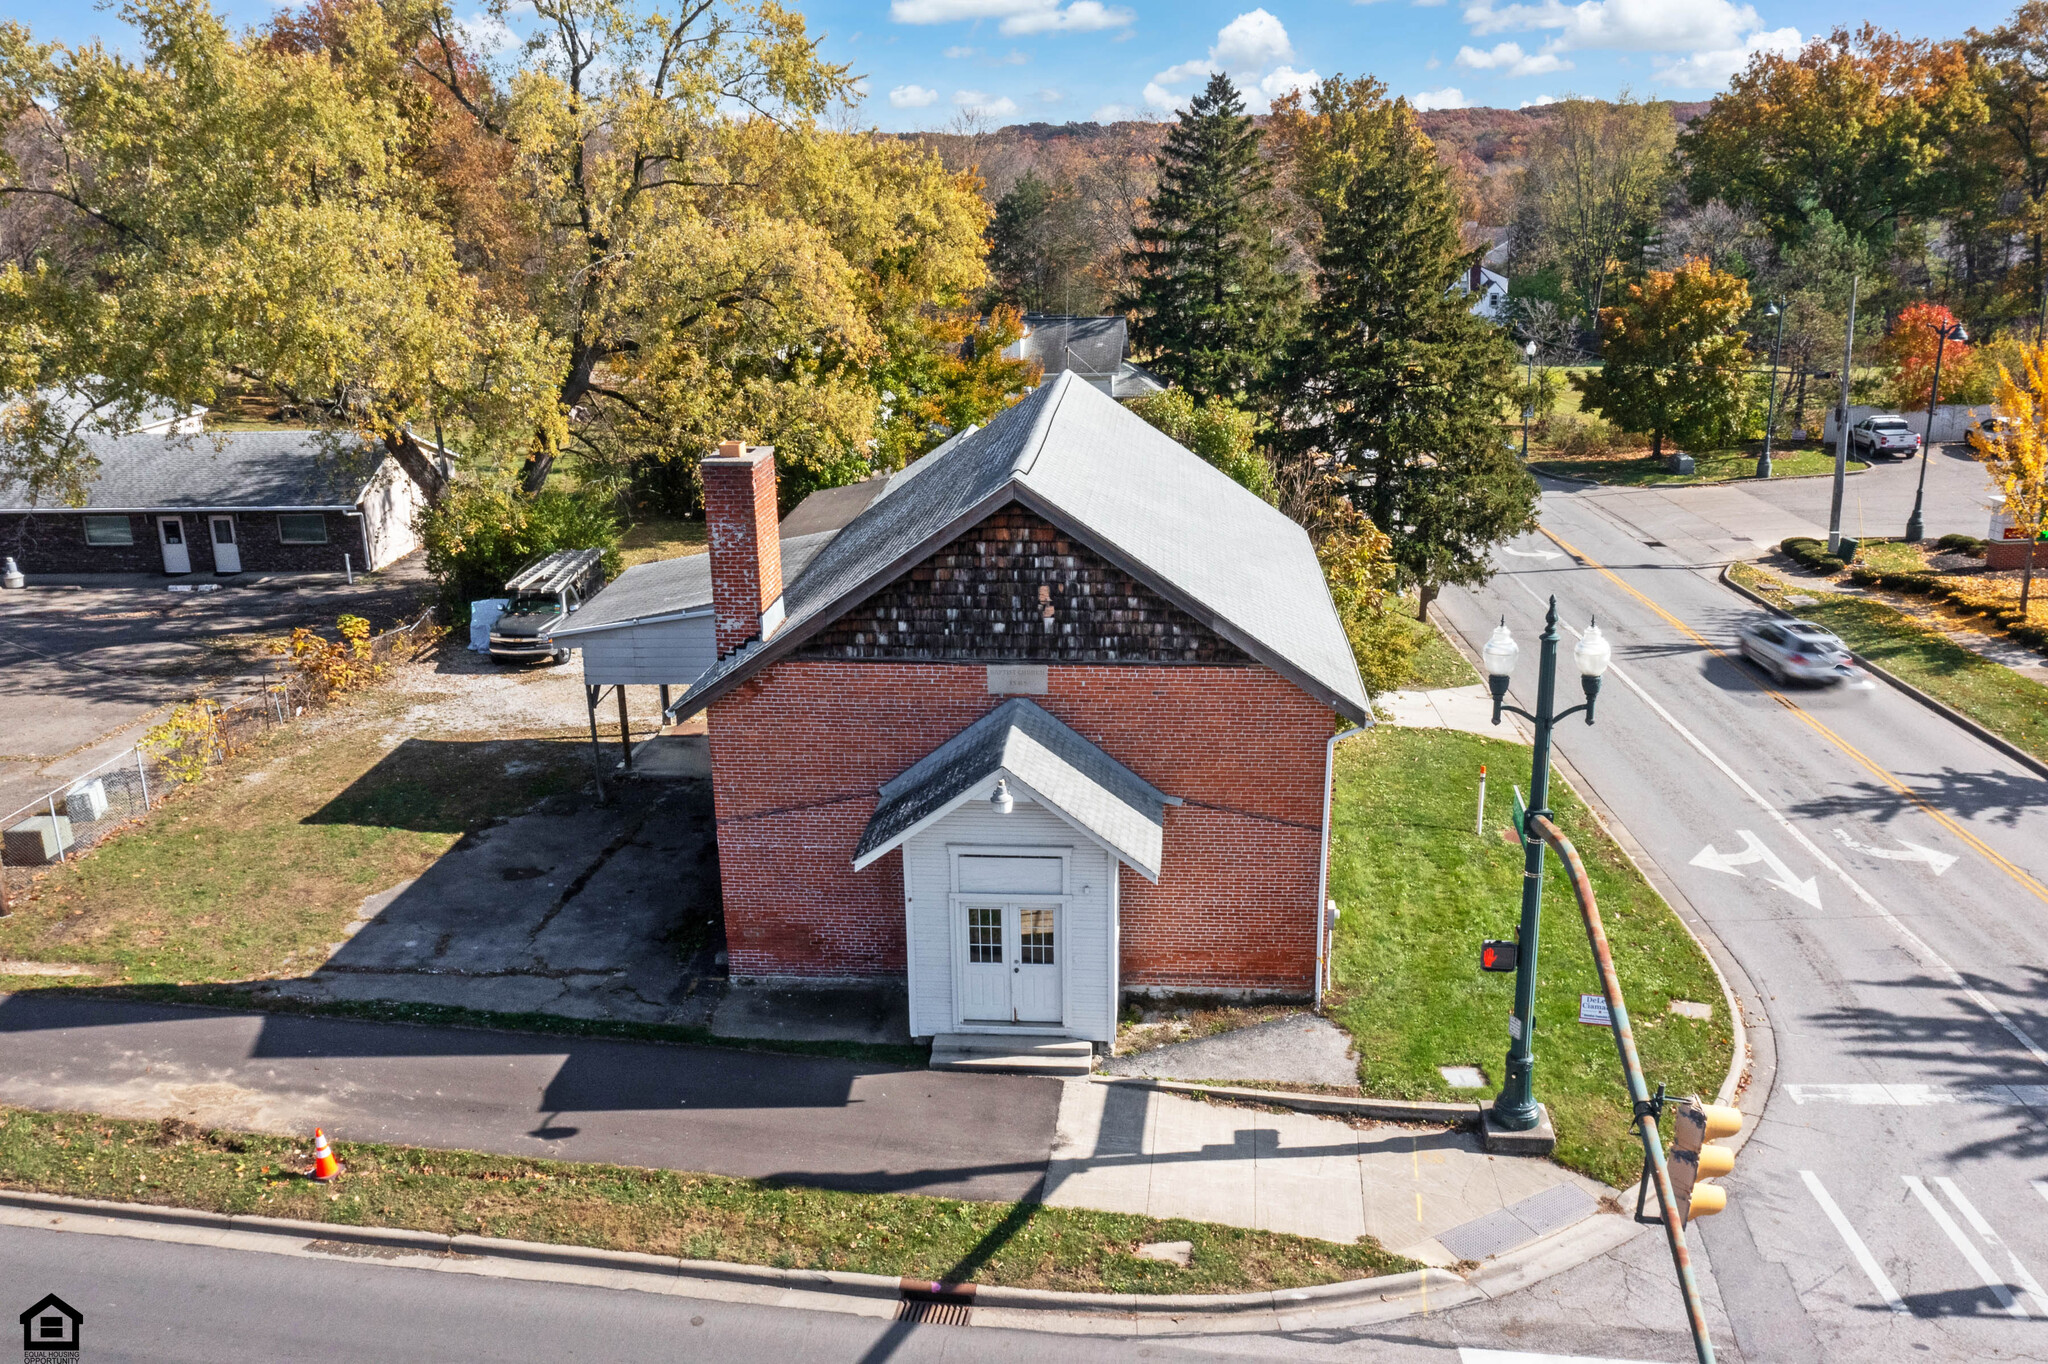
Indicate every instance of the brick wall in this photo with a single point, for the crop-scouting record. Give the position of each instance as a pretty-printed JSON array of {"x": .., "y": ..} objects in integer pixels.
[
  {"x": 799, "y": 750},
  {"x": 54, "y": 542},
  {"x": 1018, "y": 587}
]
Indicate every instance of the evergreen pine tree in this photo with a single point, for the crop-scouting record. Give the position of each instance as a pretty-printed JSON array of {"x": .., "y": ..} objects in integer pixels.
[
  {"x": 1394, "y": 379},
  {"x": 1212, "y": 306}
]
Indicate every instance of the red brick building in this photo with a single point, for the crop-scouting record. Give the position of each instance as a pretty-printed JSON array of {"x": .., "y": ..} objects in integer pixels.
[{"x": 1047, "y": 721}]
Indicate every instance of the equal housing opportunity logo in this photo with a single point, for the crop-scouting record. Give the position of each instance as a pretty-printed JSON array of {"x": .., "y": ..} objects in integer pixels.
[{"x": 50, "y": 1329}]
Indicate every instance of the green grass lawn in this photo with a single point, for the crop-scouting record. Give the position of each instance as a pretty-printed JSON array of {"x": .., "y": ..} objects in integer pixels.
[
  {"x": 1640, "y": 469},
  {"x": 1419, "y": 890},
  {"x": 254, "y": 870},
  {"x": 662, "y": 1212},
  {"x": 1436, "y": 663},
  {"x": 1891, "y": 556},
  {"x": 1990, "y": 693}
]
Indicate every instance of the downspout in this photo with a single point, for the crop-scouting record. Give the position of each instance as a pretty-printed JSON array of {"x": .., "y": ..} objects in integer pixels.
[{"x": 1322, "y": 914}]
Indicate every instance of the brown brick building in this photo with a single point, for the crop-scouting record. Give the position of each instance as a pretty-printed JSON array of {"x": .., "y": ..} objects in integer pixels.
[{"x": 1047, "y": 721}]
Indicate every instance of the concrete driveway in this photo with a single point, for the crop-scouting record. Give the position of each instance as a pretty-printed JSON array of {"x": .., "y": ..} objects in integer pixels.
[{"x": 86, "y": 662}]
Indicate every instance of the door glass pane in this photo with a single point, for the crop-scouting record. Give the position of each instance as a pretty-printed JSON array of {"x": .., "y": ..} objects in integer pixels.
[
  {"x": 174, "y": 532},
  {"x": 223, "y": 531},
  {"x": 985, "y": 934},
  {"x": 1034, "y": 929}
]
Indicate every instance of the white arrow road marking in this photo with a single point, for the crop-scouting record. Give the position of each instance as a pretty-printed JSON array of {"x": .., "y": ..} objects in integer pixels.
[
  {"x": 1913, "y": 852},
  {"x": 1854, "y": 1242},
  {"x": 1913, "y": 940},
  {"x": 1753, "y": 850},
  {"x": 1970, "y": 1252},
  {"x": 1532, "y": 553},
  {"x": 1991, "y": 1238}
]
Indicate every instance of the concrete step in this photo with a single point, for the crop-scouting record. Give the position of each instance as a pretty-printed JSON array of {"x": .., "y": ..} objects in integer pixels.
[{"x": 1025, "y": 1055}]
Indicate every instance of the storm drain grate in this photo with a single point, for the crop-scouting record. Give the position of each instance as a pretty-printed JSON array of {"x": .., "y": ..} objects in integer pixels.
[
  {"x": 925, "y": 1312},
  {"x": 1537, "y": 1215}
]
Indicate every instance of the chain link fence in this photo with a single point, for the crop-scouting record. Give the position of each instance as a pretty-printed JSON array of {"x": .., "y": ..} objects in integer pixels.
[{"x": 69, "y": 820}]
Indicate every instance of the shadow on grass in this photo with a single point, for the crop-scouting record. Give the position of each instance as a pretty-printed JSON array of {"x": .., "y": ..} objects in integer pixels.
[{"x": 446, "y": 786}]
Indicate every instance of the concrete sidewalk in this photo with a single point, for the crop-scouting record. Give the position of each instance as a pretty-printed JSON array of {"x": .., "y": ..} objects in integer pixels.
[
  {"x": 1426, "y": 1192},
  {"x": 1467, "y": 708}
]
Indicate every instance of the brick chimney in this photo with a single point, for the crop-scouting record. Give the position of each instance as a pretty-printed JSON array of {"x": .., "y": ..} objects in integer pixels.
[{"x": 746, "y": 543}]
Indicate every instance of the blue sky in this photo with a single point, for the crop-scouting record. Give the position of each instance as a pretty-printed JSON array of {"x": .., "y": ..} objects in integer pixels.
[{"x": 1056, "y": 60}]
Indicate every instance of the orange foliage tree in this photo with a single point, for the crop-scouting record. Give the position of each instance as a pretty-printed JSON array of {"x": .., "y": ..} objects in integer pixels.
[{"x": 1909, "y": 357}]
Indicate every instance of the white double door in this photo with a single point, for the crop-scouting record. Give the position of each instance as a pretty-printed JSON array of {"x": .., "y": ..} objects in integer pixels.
[{"x": 1012, "y": 967}]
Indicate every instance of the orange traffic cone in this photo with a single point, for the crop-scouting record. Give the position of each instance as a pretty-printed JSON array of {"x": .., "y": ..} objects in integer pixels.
[{"x": 325, "y": 1166}]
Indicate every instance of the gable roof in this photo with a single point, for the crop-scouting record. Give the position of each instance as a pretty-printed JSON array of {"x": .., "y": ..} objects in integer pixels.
[
  {"x": 1023, "y": 742},
  {"x": 1168, "y": 518},
  {"x": 219, "y": 470}
]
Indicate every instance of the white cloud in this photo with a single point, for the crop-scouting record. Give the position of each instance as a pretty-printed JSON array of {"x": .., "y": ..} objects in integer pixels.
[
  {"x": 1252, "y": 42},
  {"x": 1016, "y": 16},
  {"x": 1428, "y": 4},
  {"x": 960, "y": 54},
  {"x": 1623, "y": 25},
  {"x": 486, "y": 34},
  {"x": 1114, "y": 113},
  {"x": 1711, "y": 70},
  {"x": 1253, "y": 49},
  {"x": 912, "y": 97},
  {"x": 1538, "y": 102},
  {"x": 987, "y": 105},
  {"x": 1509, "y": 59},
  {"x": 1013, "y": 58},
  {"x": 1450, "y": 97},
  {"x": 1050, "y": 97}
]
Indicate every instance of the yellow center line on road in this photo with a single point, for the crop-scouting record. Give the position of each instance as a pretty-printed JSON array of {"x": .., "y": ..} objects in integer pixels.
[{"x": 1990, "y": 854}]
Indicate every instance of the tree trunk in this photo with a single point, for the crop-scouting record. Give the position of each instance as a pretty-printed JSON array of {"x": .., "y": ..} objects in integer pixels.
[
  {"x": 2027, "y": 579},
  {"x": 423, "y": 469},
  {"x": 533, "y": 475},
  {"x": 1425, "y": 593},
  {"x": 1656, "y": 445}
]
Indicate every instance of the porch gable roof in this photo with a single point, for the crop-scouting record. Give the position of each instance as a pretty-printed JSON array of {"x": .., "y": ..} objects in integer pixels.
[{"x": 1045, "y": 760}]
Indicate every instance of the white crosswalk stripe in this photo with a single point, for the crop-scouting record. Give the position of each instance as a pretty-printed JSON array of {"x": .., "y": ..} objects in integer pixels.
[
  {"x": 1962, "y": 1243},
  {"x": 1991, "y": 1238},
  {"x": 1853, "y": 1241},
  {"x": 1921, "y": 1096}
]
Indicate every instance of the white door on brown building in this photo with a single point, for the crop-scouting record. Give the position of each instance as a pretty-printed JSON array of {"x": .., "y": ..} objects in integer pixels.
[
  {"x": 227, "y": 555},
  {"x": 170, "y": 532}
]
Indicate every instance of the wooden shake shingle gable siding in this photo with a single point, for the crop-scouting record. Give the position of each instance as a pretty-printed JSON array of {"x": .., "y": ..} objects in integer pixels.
[{"x": 1017, "y": 588}]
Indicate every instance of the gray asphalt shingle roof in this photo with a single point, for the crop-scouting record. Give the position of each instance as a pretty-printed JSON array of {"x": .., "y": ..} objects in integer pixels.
[
  {"x": 1093, "y": 346},
  {"x": 1129, "y": 492},
  {"x": 674, "y": 587},
  {"x": 1049, "y": 763},
  {"x": 222, "y": 469}
]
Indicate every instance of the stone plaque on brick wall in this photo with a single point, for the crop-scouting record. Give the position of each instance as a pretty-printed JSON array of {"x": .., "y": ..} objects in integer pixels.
[{"x": 1016, "y": 679}]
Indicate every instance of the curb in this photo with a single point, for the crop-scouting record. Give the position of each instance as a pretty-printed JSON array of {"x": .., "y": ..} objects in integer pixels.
[
  {"x": 1386, "y": 1110},
  {"x": 1955, "y": 717},
  {"x": 1221, "y": 1311},
  {"x": 1697, "y": 483}
]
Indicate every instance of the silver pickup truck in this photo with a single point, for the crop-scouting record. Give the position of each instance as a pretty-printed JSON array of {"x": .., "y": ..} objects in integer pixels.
[
  {"x": 1881, "y": 434},
  {"x": 544, "y": 594}
]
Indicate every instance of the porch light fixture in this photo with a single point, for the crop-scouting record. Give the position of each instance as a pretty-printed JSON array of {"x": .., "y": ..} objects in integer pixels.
[{"x": 1001, "y": 798}]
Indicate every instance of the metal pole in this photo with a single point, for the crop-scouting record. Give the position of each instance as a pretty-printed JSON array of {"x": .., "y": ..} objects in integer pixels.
[
  {"x": 1515, "y": 1108},
  {"x": 1529, "y": 403},
  {"x": 625, "y": 735},
  {"x": 1763, "y": 466},
  {"x": 1842, "y": 431},
  {"x": 1479, "y": 820},
  {"x": 1916, "y": 527},
  {"x": 590, "y": 695},
  {"x": 1638, "y": 1090},
  {"x": 142, "y": 774}
]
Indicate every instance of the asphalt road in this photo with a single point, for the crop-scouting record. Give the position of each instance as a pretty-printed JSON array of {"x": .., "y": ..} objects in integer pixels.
[
  {"x": 1879, "y": 874},
  {"x": 812, "y": 1120}
]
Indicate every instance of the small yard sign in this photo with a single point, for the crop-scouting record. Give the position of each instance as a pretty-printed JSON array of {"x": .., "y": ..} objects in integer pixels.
[{"x": 1593, "y": 1010}]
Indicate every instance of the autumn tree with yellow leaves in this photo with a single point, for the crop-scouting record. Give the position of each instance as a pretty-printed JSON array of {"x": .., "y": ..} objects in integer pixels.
[{"x": 2017, "y": 454}]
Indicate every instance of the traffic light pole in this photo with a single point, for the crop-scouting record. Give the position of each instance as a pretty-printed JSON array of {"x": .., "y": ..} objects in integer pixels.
[{"x": 1646, "y": 1108}]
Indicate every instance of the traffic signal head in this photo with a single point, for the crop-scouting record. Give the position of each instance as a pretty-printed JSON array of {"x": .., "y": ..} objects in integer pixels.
[
  {"x": 1495, "y": 955},
  {"x": 1691, "y": 1160}
]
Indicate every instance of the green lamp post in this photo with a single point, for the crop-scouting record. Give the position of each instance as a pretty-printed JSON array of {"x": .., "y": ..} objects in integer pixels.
[{"x": 1515, "y": 1108}]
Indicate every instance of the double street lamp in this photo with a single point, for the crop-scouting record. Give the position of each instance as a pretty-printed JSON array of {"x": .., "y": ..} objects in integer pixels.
[
  {"x": 1916, "y": 527},
  {"x": 1763, "y": 464},
  {"x": 1515, "y": 1108}
]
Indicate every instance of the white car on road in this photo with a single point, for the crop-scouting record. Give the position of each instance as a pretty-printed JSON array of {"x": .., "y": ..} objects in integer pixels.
[{"x": 1798, "y": 650}]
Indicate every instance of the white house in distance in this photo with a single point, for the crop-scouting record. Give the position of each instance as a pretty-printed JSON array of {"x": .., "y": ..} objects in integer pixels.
[{"x": 1489, "y": 290}]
